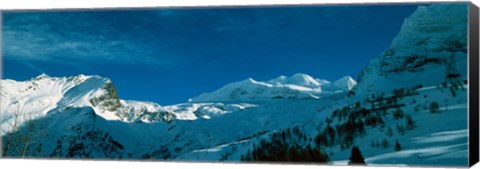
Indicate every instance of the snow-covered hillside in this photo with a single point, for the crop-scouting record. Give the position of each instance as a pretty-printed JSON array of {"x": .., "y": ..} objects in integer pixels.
[
  {"x": 413, "y": 94},
  {"x": 36, "y": 97},
  {"x": 436, "y": 137}
]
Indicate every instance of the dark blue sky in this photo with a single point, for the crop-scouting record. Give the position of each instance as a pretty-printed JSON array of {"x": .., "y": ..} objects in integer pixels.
[{"x": 170, "y": 55}]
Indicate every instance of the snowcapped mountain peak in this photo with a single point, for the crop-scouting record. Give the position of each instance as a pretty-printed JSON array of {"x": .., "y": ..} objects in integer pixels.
[
  {"x": 298, "y": 85},
  {"x": 250, "y": 80},
  {"x": 301, "y": 76},
  {"x": 303, "y": 80},
  {"x": 429, "y": 42},
  {"x": 81, "y": 76},
  {"x": 299, "y": 79},
  {"x": 278, "y": 80},
  {"x": 346, "y": 83},
  {"x": 43, "y": 95},
  {"x": 38, "y": 96},
  {"x": 428, "y": 26},
  {"x": 42, "y": 76},
  {"x": 246, "y": 82}
]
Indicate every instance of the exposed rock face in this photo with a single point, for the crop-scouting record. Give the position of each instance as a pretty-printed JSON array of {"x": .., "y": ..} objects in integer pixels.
[{"x": 109, "y": 100}]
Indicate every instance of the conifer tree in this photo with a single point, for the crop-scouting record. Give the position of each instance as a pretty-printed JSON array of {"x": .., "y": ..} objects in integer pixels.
[
  {"x": 434, "y": 107},
  {"x": 398, "y": 114},
  {"x": 410, "y": 122},
  {"x": 398, "y": 147},
  {"x": 356, "y": 158}
]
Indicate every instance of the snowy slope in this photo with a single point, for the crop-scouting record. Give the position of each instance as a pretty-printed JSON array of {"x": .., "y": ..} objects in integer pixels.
[
  {"x": 425, "y": 145},
  {"x": 37, "y": 96},
  {"x": 192, "y": 111},
  {"x": 297, "y": 86}
]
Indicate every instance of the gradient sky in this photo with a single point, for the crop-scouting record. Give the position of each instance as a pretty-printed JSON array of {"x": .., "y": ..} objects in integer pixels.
[{"x": 170, "y": 55}]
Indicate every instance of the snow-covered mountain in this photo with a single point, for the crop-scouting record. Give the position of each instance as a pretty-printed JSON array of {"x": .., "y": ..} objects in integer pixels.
[
  {"x": 42, "y": 95},
  {"x": 297, "y": 86},
  {"x": 430, "y": 46},
  {"x": 87, "y": 108},
  {"x": 346, "y": 83},
  {"x": 414, "y": 94}
]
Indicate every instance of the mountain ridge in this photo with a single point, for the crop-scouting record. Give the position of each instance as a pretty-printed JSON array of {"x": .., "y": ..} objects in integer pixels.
[
  {"x": 298, "y": 85},
  {"x": 100, "y": 94}
]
